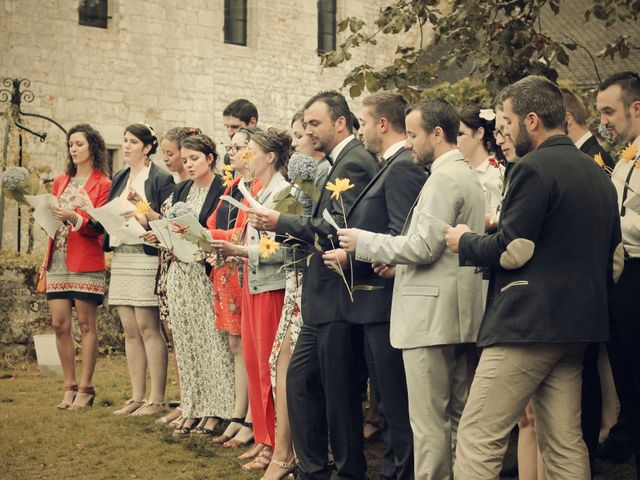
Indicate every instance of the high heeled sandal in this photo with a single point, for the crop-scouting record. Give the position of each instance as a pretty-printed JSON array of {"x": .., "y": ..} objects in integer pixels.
[
  {"x": 129, "y": 407},
  {"x": 261, "y": 461},
  {"x": 64, "y": 405},
  {"x": 235, "y": 443},
  {"x": 287, "y": 468},
  {"x": 88, "y": 403},
  {"x": 220, "y": 439},
  {"x": 202, "y": 429},
  {"x": 184, "y": 430},
  {"x": 149, "y": 408}
]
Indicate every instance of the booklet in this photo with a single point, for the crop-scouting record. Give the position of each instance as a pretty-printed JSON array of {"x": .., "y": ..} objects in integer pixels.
[
  {"x": 110, "y": 216},
  {"x": 193, "y": 243},
  {"x": 633, "y": 202},
  {"x": 42, "y": 214}
]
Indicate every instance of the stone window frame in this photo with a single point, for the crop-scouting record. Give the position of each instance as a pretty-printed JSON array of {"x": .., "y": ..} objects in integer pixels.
[
  {"x": 96, "y": 13},
  {"x": 236, "y": 27},
  {"x": 327, "y": 26}
]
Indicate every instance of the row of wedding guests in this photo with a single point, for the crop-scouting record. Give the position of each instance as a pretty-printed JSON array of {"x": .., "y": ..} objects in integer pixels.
[{"x": 288, "y": 316}]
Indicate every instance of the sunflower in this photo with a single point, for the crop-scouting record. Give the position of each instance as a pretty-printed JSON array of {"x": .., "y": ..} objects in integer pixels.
[
  {"x": 247, "y": 157},
  {"x": 228, "y": 178},
  {"x": 142, "y": 207},
  {"x": 598, "y": 158},
  {"x": 267, "y": 246},
  {"x": 340, "y": 185}
]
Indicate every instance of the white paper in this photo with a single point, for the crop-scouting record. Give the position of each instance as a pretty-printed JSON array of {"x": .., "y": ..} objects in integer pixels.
[
  {"x": 185, "y": 246},
  {"x": 633, "y": 202},
  {"x": 329, "y": 219},
  {"x": 42, "y": 214},
  {"x": 234, "y": 202},
  {"x": 161, "y": 229},
  {"x": 252, "y": 201},
  {"x": 110, "y": 216}
]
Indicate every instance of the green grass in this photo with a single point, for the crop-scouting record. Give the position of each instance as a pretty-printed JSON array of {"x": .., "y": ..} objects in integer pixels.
[{"x": 37, "y": 441}]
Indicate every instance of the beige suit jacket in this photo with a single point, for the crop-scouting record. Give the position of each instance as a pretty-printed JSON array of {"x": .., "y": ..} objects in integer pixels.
[{"x": 435, "y": 301}]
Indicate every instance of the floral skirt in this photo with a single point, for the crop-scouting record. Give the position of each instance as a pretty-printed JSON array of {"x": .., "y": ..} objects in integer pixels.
[{"x": 290, "y": 320}]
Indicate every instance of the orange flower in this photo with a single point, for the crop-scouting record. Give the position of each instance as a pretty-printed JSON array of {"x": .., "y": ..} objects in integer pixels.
[
  {"x": 267, "y": 246},
  {"x": 227, "y": 168},
  {"x": 629, "y": 153},
  {"x": 637, "y": 165},
  {"x": 247, "y": 157},
  {"x": 341, "y": 185},
  {"x": 142, "y": 207},
  {"x": 228, "y": 179},
  {"x": 598, "y": 158}
]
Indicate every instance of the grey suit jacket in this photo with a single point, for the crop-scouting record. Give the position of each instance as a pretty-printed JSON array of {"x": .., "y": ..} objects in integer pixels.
[{"x": 435, "y": 301}]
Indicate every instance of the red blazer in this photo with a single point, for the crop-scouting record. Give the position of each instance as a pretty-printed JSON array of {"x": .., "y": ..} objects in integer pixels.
[{"x": 84, "y": 247}]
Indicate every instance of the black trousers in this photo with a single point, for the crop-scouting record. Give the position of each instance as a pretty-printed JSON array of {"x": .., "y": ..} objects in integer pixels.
[
  {"x": 323, "y": 395},
  {"x": 624, "y": 348},
  {"x": 386, "y": 370}
]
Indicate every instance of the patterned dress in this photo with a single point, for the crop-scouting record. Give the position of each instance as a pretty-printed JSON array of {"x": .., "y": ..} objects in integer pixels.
[
  {"x": 205, "y": 362},
  {"x": 60, "y": 282}
]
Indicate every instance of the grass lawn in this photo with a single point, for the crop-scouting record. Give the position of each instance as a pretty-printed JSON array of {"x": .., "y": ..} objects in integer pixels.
[{"x": 37, "y": 441}]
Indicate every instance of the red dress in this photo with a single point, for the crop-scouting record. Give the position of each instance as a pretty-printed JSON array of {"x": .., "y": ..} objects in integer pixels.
[
  {"x": 260, "y": 318},
  {"x": 227, "y": 292}
]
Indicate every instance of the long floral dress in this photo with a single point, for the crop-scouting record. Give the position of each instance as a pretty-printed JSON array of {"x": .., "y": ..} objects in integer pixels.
[{"x": 205, "y": 362}]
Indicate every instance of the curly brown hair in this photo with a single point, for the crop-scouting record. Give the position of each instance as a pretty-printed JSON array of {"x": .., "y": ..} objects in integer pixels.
[{"x": 96, "y": 146}]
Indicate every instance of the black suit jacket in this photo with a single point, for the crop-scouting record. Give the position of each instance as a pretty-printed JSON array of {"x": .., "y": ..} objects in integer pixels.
[
  {"x": 382, "y": 207},
  {"x": 157, "y": 188},
  {"x": 591, "y": 147},
  {"x": 321, "y": 286},
  {"x": 554, "y": 253}
]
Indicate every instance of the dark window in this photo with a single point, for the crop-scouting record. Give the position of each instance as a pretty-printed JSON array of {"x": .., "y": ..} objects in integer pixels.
[
  {"x": 93, "y": 13},
  {"x": 111, "y": 153},
  {"x": 235, "y": 22},
  {"x": 326, "y": 26}
]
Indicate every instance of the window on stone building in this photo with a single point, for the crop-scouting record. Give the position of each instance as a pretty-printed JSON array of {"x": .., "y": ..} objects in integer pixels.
[
  {"x": 93, "y": 13},
  {"x": 235, "y": 22},
  {"x": 111, "y": 160},
  {"x": 326, "y": 26}
]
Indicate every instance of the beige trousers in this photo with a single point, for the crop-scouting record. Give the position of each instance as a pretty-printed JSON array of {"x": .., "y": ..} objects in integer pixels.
[
  {"x": 437, "y": 388},
  {"x": 550, "y": 374}
]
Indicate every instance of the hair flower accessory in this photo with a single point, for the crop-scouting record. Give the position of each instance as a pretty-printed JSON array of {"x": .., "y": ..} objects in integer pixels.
[{"x": 487, "y": 114}]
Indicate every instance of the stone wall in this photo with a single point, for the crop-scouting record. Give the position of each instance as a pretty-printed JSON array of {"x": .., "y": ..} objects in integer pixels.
[
  {"x": 163, "y": 62},
  {"x": 24, "y": 312}
]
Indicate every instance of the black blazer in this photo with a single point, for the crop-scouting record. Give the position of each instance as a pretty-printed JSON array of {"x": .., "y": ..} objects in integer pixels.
[
  {"x": 157, "y": 188},
  {"x": 321, "y": 286},
  {"x": 181, "y": 190},
  {"x": 591, "y": 147},
  {"x": 552, "y": 256},
  {"x": 382, "y": 207}
]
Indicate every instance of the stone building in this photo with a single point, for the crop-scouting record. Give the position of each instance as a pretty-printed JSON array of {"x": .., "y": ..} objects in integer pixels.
[{"x": 166, "y": 63}]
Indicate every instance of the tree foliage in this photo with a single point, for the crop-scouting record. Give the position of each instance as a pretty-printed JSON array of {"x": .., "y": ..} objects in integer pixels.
[{"x": 497, "y": 41}]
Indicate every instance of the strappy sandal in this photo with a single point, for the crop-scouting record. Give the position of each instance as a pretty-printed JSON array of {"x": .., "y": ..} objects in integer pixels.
[
  {"x": 202, "y": 429},
  {"x": 184, "y": 430},
  {"x": 130, "y": 406},
  {"x": 261, "y": 461},
  {"x": 220, "y": 439},
  {"x": 150, "y": 408},
  {"x": 64, "y": 405},
  {"x": 287, "y": 469},
  {"x": 235, "y": 443},
  {"x": 170, "y": 417},
  {"x": 88, "y": 403}
]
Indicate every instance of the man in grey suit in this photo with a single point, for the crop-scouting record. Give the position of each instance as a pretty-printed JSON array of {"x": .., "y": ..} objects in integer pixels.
[{"x": 436, "y": 304}]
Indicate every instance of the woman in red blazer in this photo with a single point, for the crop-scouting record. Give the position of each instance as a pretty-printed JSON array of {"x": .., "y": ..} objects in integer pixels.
[{"x": 75, "y": 260}]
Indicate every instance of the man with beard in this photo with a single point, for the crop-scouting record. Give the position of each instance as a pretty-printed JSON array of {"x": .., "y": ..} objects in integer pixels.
[
  {"x": 383, "y": 206},
  {"x": 619, "y": 106},
  {"x": 552, "y": 265},
  {"x": 436, "y": 304},
  {"x": 323, "y": 387}
]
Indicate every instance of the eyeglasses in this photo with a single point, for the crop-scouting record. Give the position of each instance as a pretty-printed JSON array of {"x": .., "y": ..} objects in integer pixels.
[
  {"x": 499, "y": 133},
  {"x": 234, "y": 148}
]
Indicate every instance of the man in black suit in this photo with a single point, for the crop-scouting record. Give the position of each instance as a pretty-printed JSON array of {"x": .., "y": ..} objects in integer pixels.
[
  {"x": 578, "y": 131},
  {"x": 383, "y": 207},
  {"x": 552, "y": 267},
  {"x": 323, "y": 387}
]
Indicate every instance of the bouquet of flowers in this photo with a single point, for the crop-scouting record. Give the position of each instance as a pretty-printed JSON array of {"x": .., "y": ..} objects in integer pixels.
[
  {"x": 18, "y": 182},
  {"x": 301, "y": 170}
]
